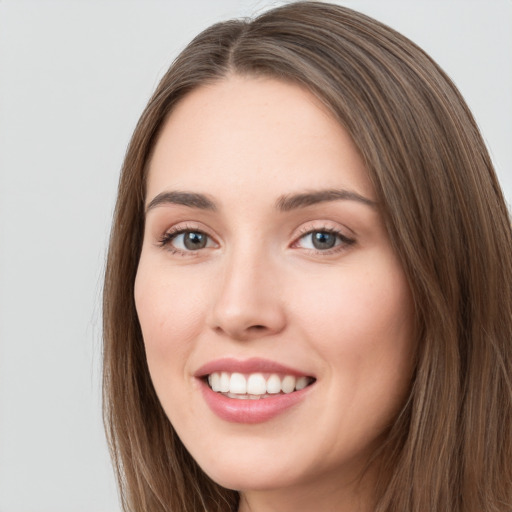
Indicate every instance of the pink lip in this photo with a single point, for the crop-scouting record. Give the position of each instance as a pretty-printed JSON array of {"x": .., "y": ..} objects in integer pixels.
[{"x": 248, "y": 411}]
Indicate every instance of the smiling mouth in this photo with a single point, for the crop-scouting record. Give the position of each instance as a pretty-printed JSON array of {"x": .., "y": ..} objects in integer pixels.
[{"x": 255, "y": 386}]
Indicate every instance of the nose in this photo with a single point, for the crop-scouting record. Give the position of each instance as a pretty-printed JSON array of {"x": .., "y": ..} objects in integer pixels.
[{"x": 248, "y": 303}]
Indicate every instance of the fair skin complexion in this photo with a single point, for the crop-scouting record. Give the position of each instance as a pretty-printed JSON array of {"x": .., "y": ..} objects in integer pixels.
[{"x": 234, "y": 269}]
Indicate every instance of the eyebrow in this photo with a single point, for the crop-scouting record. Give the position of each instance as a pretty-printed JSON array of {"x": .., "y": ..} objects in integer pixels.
[
  {"x": 190, "y": 199},
  {"x": 291, "y": 202},
  {"x": 284, "y": 203}
]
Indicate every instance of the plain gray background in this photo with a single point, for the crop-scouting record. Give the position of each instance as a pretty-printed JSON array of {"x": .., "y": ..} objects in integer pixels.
[{"x": 74, "y": 77}]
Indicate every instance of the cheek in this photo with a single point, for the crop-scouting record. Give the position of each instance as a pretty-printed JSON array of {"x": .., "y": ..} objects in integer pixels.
[
  {"x": 361, "y": 321},
  {"x": 371, "y": 304},
  {"x": 169, "y": 312}
]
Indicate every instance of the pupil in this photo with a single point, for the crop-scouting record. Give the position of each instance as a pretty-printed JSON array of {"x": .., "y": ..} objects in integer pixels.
[
  {"x": 323, "y": 240},
  {"x": 194, "y": 241}
]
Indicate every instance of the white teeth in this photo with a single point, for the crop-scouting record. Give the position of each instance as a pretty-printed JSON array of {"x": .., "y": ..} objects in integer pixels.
[
  {"x": 224, "y": 382},
  {"x": 274, "y": 384},
  {"x": 235, "y": 395},
  {"x": 288, "y": 384},
  {"x": 214, "y": 380},
  {"x": 302, "y": 382},
  {"x": 255, "y": 386},
  {"x": 238, "y": 384}
]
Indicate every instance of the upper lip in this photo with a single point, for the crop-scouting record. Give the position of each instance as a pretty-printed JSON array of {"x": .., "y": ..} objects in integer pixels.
[{"x": 252, "y": 365}]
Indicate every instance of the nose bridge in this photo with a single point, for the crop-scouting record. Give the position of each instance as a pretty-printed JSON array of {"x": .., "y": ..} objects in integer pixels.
[{"x": 247, "y": 302}]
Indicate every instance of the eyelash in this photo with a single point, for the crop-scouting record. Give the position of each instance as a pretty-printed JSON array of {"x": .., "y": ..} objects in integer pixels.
[{"x": 165, "y": 241}]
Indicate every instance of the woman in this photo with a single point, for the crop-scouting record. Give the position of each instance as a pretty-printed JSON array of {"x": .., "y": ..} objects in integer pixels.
[{"x": 307, "y": 298}]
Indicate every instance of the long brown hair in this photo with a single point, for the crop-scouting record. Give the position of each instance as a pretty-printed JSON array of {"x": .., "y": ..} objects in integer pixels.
[{"x": 450, "y": 448}]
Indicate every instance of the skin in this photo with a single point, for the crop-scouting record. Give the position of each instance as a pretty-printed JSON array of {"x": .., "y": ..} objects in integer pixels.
[{"x": 260, "y": 288}]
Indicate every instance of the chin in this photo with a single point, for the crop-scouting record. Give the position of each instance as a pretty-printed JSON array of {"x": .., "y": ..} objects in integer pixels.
[
  {"x": 249, "y": 472},
  {"x": 239, "y": 478}
]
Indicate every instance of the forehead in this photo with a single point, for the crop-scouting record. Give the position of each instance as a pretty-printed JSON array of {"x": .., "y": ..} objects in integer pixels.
[{"x": 241, "y": 132}]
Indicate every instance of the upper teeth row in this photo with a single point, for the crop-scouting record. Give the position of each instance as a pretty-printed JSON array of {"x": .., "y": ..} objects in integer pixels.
[{"x": 255, "y": 383}]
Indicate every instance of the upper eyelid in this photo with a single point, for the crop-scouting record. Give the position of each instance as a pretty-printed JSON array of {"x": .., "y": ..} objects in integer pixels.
[
  {"x": 336, "y": 232},
  {"x": 323, "y": 225},
  {"x": 181, "y": 227},
  {"x": 188, "y": 229}
]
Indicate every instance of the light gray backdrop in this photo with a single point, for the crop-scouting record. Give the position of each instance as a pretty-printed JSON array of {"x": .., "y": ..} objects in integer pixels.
[{"x": 74, "y": 77}]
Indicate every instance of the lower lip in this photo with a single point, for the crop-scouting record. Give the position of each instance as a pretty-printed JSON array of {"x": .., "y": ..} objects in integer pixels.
[{"x": 250, "y": 411}]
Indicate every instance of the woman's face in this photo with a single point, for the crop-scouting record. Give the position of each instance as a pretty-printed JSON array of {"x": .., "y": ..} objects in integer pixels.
[{"x": 266, "y": 265}]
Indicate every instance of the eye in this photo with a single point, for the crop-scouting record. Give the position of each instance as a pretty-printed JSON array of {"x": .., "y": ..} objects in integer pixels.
[
  {"x": 190, "y": 240},
  {"x": 186, "y": 240},
  {"x": 323, "y": 240}
]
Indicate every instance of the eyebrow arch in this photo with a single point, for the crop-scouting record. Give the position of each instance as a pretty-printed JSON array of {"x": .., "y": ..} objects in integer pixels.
[
  {"x": 191, "y": 199},
  {"x": 291, "y": 202}
]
